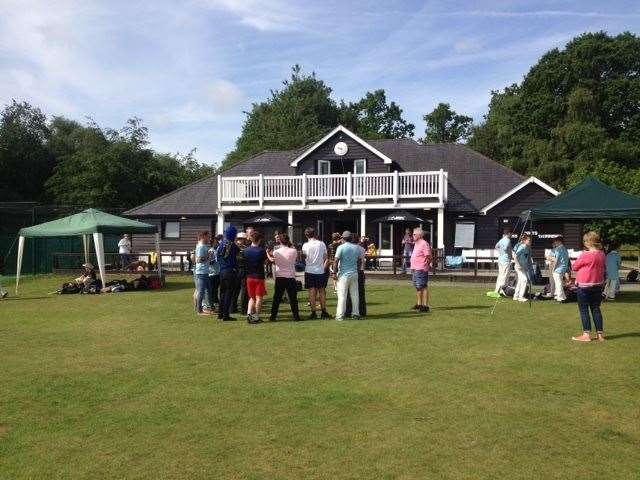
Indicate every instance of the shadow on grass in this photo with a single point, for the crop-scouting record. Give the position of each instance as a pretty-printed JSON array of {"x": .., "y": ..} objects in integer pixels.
[
  {"x": 18, "y": 298},
  {"x": 462, "y": 307},
  {"x": 624, "y": 335},
  {"x": 626, "y": 297}
]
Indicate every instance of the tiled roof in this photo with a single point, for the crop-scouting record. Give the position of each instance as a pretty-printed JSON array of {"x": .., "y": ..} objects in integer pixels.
[{"x": 474, "y": 180}]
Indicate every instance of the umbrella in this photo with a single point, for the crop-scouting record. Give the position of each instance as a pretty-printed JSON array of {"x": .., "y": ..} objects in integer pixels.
[
  {"x": 264, "y": 218},
  {"x": 399, "y": 217}
]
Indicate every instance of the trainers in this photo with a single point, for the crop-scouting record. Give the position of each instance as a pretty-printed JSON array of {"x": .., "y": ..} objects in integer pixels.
[
  {"x": 424, "y": 308},
  {"x": 325, "y": 314},
  {"x": 416, "y": 307},
  {"x": 355, "y": 317},
  {"x": 313, "y": 316}
]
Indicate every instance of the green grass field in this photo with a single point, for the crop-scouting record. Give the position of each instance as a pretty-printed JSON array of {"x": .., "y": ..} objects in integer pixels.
[{"x": 136, "y": 386}]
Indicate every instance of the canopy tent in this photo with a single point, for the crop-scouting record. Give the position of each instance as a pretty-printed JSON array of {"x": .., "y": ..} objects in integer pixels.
[
  {"x": 589, "y": 200},
  {"x": 264, "y": 218},
  {"x": 87, "y": 223}
]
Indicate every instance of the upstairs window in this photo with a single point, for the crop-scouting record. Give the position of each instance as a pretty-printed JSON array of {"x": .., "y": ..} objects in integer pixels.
[{"x": 171, "y": 230}]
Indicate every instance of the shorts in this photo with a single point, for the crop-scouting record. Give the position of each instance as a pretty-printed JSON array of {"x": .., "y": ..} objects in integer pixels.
[
  {"x": 256, "y": 287},
  {"x": 420, "y": 279},
  {"x": 315, "y": 280}
]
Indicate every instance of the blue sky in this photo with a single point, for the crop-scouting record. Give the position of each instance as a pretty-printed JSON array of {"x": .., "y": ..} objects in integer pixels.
[{"x": 190, "y": 68}]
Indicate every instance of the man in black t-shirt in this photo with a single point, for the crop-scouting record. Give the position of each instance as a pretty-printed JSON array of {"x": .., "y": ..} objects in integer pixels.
[{"x": 255, "y": 256}]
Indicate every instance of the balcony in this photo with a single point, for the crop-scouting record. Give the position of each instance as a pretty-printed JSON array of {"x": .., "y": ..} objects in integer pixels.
[{"x": 333, "y": 191}]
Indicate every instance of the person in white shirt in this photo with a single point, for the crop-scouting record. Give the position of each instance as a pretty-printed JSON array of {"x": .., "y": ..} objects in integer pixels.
[
  {"x": 362, "y": 300},
  {"x": 124, "y": 248},
  {"x": 316, "y": 272}
]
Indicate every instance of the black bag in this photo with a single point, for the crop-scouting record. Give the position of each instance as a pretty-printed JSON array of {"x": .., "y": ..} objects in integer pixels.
[
  {"x": 69, "y": 288},
  {"x": 632, "y": 276}
]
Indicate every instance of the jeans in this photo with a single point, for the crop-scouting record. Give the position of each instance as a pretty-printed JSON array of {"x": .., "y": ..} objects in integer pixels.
[
  {"x": 361, "y": 296},
  {"x": 228, "y": 285},
  {"x": 203, "y": 287},
  {"x": 590, "y": 298},
  {"x": 215, "y": 288},
  {"x": 288, "y": 284},
  {"x": 347, "y": 286}
]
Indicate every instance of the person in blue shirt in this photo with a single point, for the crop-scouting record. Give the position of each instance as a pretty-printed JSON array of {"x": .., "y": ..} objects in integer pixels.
[
  {"x": 614, "y": 261},
  {"x": 345, "y": 267},
  {"x": 504, "y": 249},
  {"x": 226, "y": 254},
  {"x": 522, "y": 261},
  {"x": 561, "y": 267},
  {"x": 201, "y": 273}
]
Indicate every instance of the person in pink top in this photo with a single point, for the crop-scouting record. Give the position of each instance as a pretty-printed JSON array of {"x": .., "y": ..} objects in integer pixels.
[
  {"x": 285, "y": 276},
  {"x": 420, "y": 263},
  {"x": 590, "y": 270}
]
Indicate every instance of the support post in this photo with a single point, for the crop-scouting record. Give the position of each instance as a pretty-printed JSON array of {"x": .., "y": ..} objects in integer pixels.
[
  {"x": 261, "y": 190},
  {"x": 304, "y": 189},
  {"x": 441, "y": 227},
  {"x": 19, "y": 265},
  {"x": 159, "y": 255},
  {"x": 363, "y": 222},
  {"x": 290, "y": 224},
  {"x": 396, "y": 187},
  {"x": 98, "y": 241},
  {"x": 441, "y": 186},
  {"x": 219, "y": 192},
  {"x": 220, "y": 223},
  {"x": 85, "y": 244},
  {"x": 349, "y": 188}
]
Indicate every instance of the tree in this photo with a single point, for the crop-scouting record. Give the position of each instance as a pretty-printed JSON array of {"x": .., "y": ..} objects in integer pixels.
[
  {"x": 372, "y": 117},
  {"x": 446, "y": 126},
  {"x": 25, "y": 161},
  {"x": 294, "y": 116}
]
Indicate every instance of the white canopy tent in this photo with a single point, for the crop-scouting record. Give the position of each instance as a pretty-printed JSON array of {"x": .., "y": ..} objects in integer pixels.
[{"x": 89, "y": 223}]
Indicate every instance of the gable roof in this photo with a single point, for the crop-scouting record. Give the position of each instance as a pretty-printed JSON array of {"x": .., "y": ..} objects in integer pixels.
[
  {"x": 517, "y": 188},
  {"x": 475, "y": 181},
  {"x": 350, "y": 134}
]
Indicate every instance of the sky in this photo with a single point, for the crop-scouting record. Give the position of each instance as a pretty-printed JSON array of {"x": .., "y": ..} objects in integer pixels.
[{"x": 191, "y": 68}]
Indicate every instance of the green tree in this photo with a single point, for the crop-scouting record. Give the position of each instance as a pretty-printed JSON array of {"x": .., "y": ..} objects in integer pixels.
[
  {"x": 25, "y": 161},
  {"x": 300, "y": 112},
  {"x": 446, "y": 126},
  {"x": 372, "y": 117}
]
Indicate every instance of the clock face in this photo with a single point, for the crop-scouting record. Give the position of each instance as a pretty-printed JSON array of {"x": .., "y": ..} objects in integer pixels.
[{"x": 340, "y": 148}]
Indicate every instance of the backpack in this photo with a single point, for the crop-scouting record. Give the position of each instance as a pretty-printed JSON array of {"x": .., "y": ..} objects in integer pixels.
[
  {"x": 69, "y": 288},
  {"x": 632, "y": 276}
]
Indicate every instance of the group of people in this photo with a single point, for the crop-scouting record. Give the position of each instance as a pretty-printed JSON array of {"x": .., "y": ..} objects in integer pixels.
[
  {"x": 230, "y": 273},
  {"x": 597, "y": 275}
]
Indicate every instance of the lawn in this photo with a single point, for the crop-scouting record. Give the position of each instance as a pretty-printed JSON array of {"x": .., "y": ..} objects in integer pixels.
[{"x": 136, "y": 386}]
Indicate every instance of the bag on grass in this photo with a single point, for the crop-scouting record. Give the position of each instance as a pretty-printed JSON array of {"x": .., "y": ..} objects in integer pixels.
[
  {"x": 632, "y": 276},
  {"x": 69, "y": 288}
]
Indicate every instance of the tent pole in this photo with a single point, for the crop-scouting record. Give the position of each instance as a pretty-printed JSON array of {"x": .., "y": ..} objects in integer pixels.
[
  {"x": 19, "y": 265},
  {"x": 98, "y": 241},
  {"x": 85, "y": 244},
  {"x": 159, "y": 255}
]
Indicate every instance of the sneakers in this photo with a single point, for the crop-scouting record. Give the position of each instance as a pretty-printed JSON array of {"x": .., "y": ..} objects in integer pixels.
[
  {"x": 424, "y": 308},
  {"x": 416, "y": 307},
  {"x": 253, "y": 318}
]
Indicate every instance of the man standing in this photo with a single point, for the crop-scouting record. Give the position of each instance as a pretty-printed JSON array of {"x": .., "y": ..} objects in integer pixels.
[
  {"x": 361, "y": 286},
  {"x": 226, "y": 254},
  {"x": 255, "y": 257},
  {"x": 407, "y": 249},
  {"x": 345, "y": 266},
  {"x": 316, "y": 272},
  {"x": 124, "y": 248},
  {"x": 504, "y": 249},
  {"x": 240, "y": 294},
  {"x": 561, "y": 266},
  {"x": 420, "y": 264}
]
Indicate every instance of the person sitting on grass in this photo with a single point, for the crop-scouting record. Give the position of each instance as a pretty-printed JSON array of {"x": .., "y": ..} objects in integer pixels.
[
  {"x": 201, "y": 274},
  {"x": 614, "y": 261},
  {"x": 590, "y": 270},
  {"x": 561, "y": 267},
  {"x": 420, "y": 264},
  {"x": 522, "y": 261},
  {"x": 255, "y": 256},
  {"x": 345, "y": 266},
  {"x": 87, "y": 276},
  {"x": 284, "y": 257}
]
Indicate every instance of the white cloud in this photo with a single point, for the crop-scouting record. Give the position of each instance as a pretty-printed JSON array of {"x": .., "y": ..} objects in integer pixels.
[
  {"x": 536, "y": 13},
  {"x": 466, "y": 45},
  {"x": 225, "y": 96},
  {"x": 263, "y": 15}
]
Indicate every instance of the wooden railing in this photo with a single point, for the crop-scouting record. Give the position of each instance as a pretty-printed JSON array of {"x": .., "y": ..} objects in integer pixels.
[{"x": 393, "y": 187}]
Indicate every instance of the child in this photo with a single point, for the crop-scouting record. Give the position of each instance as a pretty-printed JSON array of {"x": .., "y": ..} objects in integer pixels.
[
  {"x": 522, "y": 260},
  {"x": 590, "y": 270},
  {"x": 201, "y": 274},
  {"x": 612, "y": 286},
  {"x": 560, "y": 268}
]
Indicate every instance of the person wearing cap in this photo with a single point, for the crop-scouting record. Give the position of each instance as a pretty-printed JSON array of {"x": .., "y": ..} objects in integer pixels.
[
  {"x": 124, "y": 249},
  {"x": 240, "y": 294},
  {"x": 88, "y": 274},
  {"x": 345, "y": 266},
  {"x": 226, "y": 254}
]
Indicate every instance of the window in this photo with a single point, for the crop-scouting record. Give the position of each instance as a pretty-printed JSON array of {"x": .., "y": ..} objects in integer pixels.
[
  {"x": 360, "y": 166},
  {"x": 171, "y": 230},
  {"x": 324, "y": 167},
  {"x": 386, "y": 236},
  {"x": 465, "y": 233}
]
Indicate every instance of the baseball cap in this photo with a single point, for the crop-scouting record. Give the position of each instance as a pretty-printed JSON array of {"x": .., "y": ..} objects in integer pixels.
[{"x": 346, "y": 234}]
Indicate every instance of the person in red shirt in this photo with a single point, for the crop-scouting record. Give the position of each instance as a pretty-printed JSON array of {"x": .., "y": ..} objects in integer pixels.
[{"x": 590, "y": 270}]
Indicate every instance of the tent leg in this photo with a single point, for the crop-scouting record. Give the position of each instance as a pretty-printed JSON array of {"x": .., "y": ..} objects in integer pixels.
[
  {"x": 98, "y": 241},
  {"x": 19, "y": 265},
  {"x": 159, "y": 255},
  {"x": 85, "y": 244}
]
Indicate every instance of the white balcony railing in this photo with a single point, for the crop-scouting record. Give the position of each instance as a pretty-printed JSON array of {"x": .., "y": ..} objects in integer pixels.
[{"x": 392, "y": 187}]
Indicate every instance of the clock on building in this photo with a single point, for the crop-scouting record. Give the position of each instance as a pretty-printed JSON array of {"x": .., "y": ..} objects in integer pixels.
[{"x": 340, "y": 148}]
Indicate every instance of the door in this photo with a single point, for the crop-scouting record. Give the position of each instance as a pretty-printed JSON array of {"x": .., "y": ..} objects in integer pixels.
[
  {"x": 359, "y": 184},
  {"x": 324, "y": 167}
]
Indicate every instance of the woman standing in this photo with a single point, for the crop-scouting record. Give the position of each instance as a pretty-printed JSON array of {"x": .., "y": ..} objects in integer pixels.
[
  {"x": 285, "y": 276},
  {"x": 590, "y": 268}
]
